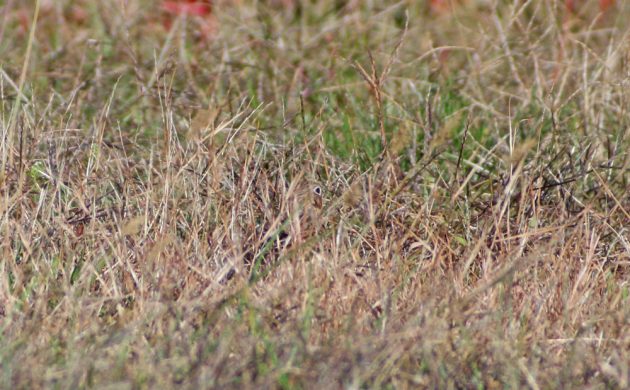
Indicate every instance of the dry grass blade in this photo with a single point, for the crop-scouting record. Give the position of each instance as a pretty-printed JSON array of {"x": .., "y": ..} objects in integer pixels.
[{"x": 241, "y": 208}]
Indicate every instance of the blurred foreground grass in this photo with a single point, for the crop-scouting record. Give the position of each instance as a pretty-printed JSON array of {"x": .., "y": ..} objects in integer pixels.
[{"x": 473, "y": 170}]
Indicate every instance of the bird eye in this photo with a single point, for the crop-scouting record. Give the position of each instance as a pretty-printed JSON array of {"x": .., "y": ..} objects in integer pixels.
[{"x": 317, "y": 190}]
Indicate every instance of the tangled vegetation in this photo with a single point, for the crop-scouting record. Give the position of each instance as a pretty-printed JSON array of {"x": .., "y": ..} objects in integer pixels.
[{"x": 314, "y": 194}]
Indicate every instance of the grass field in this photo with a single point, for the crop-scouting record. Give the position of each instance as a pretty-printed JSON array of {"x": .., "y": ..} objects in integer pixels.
[{"x": 314, "y": 194}]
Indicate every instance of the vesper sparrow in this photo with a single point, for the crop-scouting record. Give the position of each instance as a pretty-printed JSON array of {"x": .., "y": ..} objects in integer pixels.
[{"x": 304, "y": 203}]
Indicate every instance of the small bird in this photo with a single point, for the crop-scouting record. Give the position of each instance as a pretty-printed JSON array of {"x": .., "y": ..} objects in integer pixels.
[{"x": 304, "y": 205}]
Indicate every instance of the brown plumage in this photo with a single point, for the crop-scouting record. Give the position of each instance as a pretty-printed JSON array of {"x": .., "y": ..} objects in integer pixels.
[
  {"x": 301, "y": 209},
  {"x": 304, "y": 205}
]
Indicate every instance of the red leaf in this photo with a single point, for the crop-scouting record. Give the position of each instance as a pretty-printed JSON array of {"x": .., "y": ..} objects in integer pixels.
[
  {"x": 605, "y": 4},
  {"x": 188, "y": 7}
]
